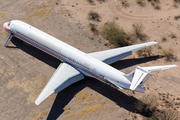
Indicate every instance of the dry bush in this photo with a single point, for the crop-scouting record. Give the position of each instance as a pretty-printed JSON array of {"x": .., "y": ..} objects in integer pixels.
[
  {"x": 116, "y": 35},
  {"x": 91, "y": 2},
  {"x": 124, "y": 3},
  {"x": 155, "y": 4},
  {"x": 154, "y": 1},
  {"x": 169, "y": 114},
  {"x": 157, "y": 7},
  {"x": 140, "y": 3},
  {"x": 177, "y": 1},
  {"x": 93, "y": 28},
  {"x": 177, "y": 17},
  {"x": 94, "y": 16},
  {"x": 172, "y": 35},
  {"x": 146, "y": 52},
  {"x": 164, "y": 39},
  {"x": 147, "y": 105},
  {"x": 101, "y": 1},
  {"x": 168, "y": 54},
  {"x": 138, "y": 31}
]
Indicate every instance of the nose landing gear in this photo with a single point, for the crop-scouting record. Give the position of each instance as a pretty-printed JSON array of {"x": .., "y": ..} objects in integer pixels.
[{"x": 9, "y": 39}]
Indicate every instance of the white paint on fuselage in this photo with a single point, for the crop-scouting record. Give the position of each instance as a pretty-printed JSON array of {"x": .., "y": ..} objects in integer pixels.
[{"x": 67, "y": 53}]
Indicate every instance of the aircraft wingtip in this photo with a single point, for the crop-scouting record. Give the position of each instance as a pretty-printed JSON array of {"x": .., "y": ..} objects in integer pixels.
[
  {"x": 37, "y": 102},
  {"x": 154, "y": 42}
]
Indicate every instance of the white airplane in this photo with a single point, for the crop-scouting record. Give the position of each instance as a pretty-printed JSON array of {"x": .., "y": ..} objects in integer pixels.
[{"x": 77, "y": 64}]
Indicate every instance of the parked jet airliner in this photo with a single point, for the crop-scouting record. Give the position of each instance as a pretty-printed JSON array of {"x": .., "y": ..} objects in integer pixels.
[{"x": 77, "y": 64}]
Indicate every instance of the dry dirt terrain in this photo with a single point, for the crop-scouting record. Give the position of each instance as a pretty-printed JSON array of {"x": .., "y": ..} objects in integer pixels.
[{"x": 25, "y": 70}]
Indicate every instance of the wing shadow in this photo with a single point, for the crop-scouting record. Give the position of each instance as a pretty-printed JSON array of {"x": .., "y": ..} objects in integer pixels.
[{"x": 121, "y": 64}]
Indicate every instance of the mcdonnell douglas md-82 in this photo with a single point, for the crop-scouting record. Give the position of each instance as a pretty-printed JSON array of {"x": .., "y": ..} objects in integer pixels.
[{"x": 77, "y": 64}]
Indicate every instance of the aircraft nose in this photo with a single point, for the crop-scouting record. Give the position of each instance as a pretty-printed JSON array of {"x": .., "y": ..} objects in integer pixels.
[{"x": 4, "y": 26}]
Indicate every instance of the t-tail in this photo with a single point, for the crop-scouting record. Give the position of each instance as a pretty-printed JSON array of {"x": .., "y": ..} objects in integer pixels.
[{"x": 141, "y": 74}]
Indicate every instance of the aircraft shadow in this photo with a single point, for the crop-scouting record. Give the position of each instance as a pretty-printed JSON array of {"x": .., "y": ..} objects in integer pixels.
[
  {"x": 44, "y": 57},
  {"x": 66, "y": 95}
]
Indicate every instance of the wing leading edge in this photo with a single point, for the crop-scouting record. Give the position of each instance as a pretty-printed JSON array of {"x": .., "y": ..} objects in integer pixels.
[
  {"x": 64, "y": 76},
  {"x": 113, "y": 55}
]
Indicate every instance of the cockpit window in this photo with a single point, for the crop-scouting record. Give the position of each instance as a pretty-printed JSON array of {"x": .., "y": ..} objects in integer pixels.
[{"x": 9, "y": 23}]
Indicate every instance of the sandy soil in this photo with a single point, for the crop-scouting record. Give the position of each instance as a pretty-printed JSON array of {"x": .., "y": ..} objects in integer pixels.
[{"x": 25, "y": 70}]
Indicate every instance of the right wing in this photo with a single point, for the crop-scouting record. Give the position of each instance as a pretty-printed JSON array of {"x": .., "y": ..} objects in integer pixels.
[
  {"x": 113, "y": 55},
  {"x": 64, "y": 76}
]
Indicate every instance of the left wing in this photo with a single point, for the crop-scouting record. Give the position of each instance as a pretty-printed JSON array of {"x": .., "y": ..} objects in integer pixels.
[
  {"x": 113, "y": 55},
  {"x": 64, "y": 76}
]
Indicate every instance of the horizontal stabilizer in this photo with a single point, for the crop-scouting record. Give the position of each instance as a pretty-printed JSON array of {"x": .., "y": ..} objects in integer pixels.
[
  {"x": 154, "y": 68},
  {"x": 141, "y": 74}
]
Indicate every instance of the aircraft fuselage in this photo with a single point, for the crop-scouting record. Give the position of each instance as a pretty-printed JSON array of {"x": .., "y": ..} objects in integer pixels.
[{"x": 83, "y": 62}]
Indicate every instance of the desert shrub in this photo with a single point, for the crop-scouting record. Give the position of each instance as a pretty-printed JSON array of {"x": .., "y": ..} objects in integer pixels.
[
  {"x": 116, "y": 35},
  {"x": 157, "y": 7},
  {"x": 146, "y": 52},
  {"x": 172, "y": 35},
  {"x": 177, "y": 17},
  {"x": 168, "y": 54},
  {"x": 169, "y": 114},
  {"x": 93, "y": 27},
  {"x": 101, "y": 1},
  {"x": 177, "y": 1},
  {"x": 138, "y": 31},
  {"x": 140, "y": 3},
  {"x": 147, "y": 105},
  {"x": 164, "y": 39},
  {"x": 154, "y": 1},
  {"x": 94, "y": 16},
  {"x": 91, "y": 2},
  {"x": 155, "y": 4},
  {"x": 124, "y": 3}
]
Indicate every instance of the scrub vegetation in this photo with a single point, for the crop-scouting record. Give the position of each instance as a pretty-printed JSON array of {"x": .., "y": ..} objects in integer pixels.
[
  {"x": 146, "y": 52},
  {"x": 116, "y": 35},
  {"x": 141, "y": 3},
  {"x": 93, "y": 28},
  {"x": 155, "y": 4},
  {"x": 172, "y": 35},
  {"x": 149, "y": 107},
  {"x": 94, "y": 16},
  {"x": 177, "y": 17},
  {"x": 138, "y": 31},
  {"x": 124, "y": 3},
  {"x": 168, "y": 54}
]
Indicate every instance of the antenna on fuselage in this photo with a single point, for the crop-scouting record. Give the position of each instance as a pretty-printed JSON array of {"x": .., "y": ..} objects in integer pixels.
[{"x": 8, "y": 40}]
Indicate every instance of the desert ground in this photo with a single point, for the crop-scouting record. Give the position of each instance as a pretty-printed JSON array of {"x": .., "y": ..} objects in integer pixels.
[{"x": 25, "y": 70}]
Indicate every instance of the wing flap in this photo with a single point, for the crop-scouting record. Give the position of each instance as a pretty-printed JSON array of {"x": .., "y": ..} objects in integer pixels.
[
  {"x": 64, "y": 76},
  {"x": 113, "y": 55}
]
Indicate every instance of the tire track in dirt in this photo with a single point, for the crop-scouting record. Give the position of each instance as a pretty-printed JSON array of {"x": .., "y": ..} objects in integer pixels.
[{"x": 114, "y": 7}]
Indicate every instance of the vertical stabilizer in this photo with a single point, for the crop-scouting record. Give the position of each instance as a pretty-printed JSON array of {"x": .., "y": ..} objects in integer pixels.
[{"x": 140, "y": 75}]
